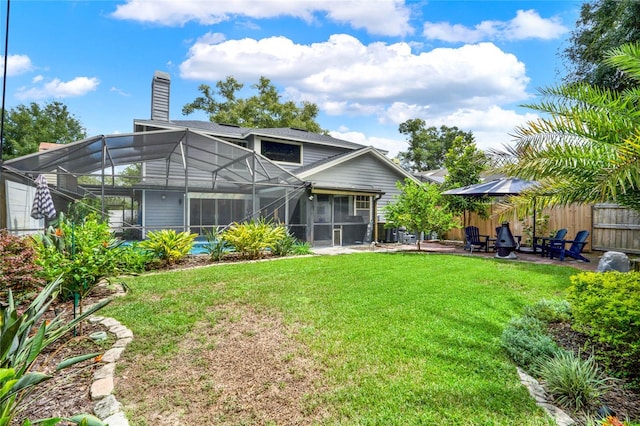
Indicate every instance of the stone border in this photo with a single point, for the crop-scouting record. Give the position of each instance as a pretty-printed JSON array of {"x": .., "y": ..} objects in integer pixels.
[
  {"x": 106, "y": 407},
  {"x": 538, "y": 393}
]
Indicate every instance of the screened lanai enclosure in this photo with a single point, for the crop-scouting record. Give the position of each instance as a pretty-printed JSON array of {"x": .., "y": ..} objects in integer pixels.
[{"x": 169, "y": 179}]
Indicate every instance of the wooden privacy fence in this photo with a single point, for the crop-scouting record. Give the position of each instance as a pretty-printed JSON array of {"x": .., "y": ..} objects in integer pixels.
[
  {"x": 616, "y": 228},
  {"x": 575, "y": 218}
]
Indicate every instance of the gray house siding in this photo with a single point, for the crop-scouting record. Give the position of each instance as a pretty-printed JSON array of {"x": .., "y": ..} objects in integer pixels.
[
  {"x": 362, "y": 173},
  {"x": 167, "y": 213}
]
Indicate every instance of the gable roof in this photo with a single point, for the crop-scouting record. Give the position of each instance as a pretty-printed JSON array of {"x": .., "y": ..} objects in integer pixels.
[
  {"x": 228, "y": 130},
  {"x": 304, "y": 172}
]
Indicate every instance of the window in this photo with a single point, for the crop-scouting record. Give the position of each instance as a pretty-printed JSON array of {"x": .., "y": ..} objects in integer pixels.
[
  {"x": 363, "y": 202},
  {"x": 285, "y": 152}
]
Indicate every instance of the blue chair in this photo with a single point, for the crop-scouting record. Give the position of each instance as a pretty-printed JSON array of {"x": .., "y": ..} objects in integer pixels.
[
  {"x": 546, "y": 242},
  {"x": 577, "y": 245},
  {"x": 472, "y": 238}
]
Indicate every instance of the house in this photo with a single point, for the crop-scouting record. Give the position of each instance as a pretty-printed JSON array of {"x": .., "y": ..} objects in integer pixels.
[{"x": 198, "y": 175}]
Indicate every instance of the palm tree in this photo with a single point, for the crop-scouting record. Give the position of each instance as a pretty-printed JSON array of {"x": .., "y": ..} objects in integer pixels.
[{"x": 586, "y": 147}]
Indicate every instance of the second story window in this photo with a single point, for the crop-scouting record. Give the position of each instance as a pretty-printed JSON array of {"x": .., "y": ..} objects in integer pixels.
[{"x": 285, "y": 152}]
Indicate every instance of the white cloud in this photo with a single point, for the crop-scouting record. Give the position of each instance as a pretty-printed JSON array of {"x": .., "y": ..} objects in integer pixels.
[
  {"x": 119, "y": 91},
  {"x": 343, "y": 76},
  {"x": 387, "y": 17},
  {"x": 56, "y": 88},
  {"x": 392, "y": 146},
  {"x": 17, "y": 64},
  {"x": 527, "y": 24}
]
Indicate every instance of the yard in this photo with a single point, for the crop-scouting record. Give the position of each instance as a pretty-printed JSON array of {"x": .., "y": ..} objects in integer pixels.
[{"x": 370, "y": 338}]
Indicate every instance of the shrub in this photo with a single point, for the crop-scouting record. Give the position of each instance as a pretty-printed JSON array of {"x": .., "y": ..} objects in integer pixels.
[
  {"x": 169, "y": 245},
  {"x": 525, "y": 340},
  {"x": 301, "y": 248},
  {"x": 285, "y": 245},
  {"x": 574, "y": 382},
  {"x": 251, "y": 239},
  {"x": 132, "y": 258},
  {"x": 18, "y": 268},
  {"x": 83, "y": 253},
  {"x": 216, "y": 246},
  {"x": 606, "y": 306},
  {"x": 549, "y": 311}
]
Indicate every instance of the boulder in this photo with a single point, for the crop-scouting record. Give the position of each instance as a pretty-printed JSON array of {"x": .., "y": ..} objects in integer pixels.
[{"x": 614, "y": 261}]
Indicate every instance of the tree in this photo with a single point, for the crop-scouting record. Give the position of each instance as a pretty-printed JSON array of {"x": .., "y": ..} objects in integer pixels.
[
  {"x": 419, "y": 208},
  {"x": 602, "y": 26},
  {"x": 588, "y": 149},
  {"x": 464, "y": 163},
  {"x": 264, "y": 110},
  {"x": 427, "y": 146},
  {"x": 27, "y": 126}
]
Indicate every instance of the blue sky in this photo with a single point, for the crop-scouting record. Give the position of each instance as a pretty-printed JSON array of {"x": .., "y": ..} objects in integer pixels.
[{"x": 368, "y": 64}]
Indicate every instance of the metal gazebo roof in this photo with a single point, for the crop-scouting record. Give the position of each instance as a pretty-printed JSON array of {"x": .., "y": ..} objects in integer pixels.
[{"x": 494, "y": 188}]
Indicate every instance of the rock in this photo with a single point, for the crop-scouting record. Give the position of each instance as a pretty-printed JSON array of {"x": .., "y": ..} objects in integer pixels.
[
  {"x": 107, "y": 406},
  {"x": 614, "y": 261}
]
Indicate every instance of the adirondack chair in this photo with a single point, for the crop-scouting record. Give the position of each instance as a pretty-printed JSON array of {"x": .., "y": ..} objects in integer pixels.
[
  {"x": 545, "y": 242},
  {"x": 560, "y": 248},
  {"x": 472, "y": 238}
]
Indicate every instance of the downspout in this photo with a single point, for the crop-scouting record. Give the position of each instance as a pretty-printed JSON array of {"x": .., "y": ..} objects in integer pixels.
[{"x": 375, "y": 217}]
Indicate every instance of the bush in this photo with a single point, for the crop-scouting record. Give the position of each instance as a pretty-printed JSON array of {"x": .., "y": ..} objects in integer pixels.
[
  {"x": 574, "y": 382},
  {"x": 18, "y": 268},
  {"x": 216, "y": 246},
  {"x": 168, "y": 245},
  {"x": 301, "y": 248},
  {"x": 549, "y": 311},
  {"x": 284, "y": 246},
  {"x": 606, "y": 306},
  {"x": 526, "y": 341},
  {"x": 132, "y": 258},
  {"x": 251, "y": 239},
  {"x": 83, "y": 253}
]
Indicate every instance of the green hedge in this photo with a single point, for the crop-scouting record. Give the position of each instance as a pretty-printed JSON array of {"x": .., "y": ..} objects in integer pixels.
[{"x": 606, "y": 306}]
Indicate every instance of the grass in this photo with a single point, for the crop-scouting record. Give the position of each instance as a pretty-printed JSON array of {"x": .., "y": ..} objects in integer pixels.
[{"x": 404, "y": 338}]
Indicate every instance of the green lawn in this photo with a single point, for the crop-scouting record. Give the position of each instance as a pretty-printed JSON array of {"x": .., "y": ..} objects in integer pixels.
[{"x": 403, "y": 338}]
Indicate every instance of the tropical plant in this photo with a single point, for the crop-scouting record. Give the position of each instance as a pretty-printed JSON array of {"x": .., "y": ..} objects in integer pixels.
[
  {"x": 301, "y": 248},
  {"x": 251, "y": 239},
  {"x": 18, "y": 268},
  {"x": 23, "y": 337},
  {"x": 418, "y": 208},
  {"x": 586, "y": 146},
  {"x": 574, "y": 382},
  {"x": 216, "y": 244},
  {"x": 168, "y": 245},
  {"x": 81, "y": 252},
  {"x": 284, "y": 246}
]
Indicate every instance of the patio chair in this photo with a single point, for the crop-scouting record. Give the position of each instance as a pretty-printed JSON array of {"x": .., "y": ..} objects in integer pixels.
[
  {"x": 472, "y": 238},
  {"x": 559, "y": 248},
  {"x": 546, "y": 242}
]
